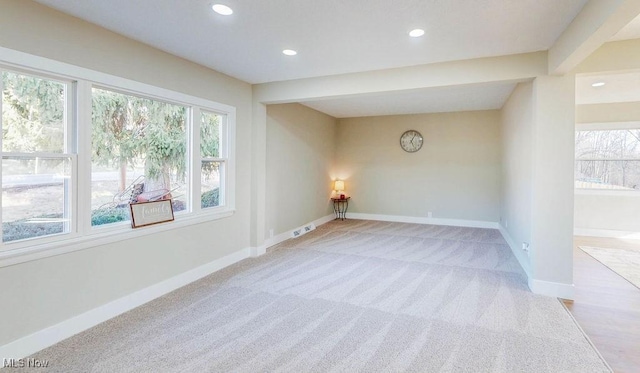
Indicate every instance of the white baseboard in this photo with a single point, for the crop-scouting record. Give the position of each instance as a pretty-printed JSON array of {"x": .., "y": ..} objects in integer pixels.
[
  {"x": 425, "y": 220},
  {"x": 44, "y": 338},
  {"x": 606, "y": 233},
  {"x": 262, "y": 249},
  {"x": 507, "y": 237},
  {"x": 514, "y": 248},
  {"x": 323, "y": 220},
  {"x": 255, "y": 252},
  {"x": 552, "y": 289}
]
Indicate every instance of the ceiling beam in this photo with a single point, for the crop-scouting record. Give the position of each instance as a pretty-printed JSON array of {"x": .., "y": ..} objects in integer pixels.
[
  {"x": 615, "y": 56},
  {"x": 596, "y": 23},
  {"x": 518, "y": 67}
]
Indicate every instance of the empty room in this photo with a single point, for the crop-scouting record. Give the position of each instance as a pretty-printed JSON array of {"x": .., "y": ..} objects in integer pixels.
[{"x": 326, "y": 186}]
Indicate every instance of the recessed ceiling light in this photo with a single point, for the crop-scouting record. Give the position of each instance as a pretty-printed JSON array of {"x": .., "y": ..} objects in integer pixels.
[
  {"x": 416, "y": 33},
  {"x": 222, "y": 9},
  {"x": 289, "y": 52},
  {"x": 598, "y": 84}
]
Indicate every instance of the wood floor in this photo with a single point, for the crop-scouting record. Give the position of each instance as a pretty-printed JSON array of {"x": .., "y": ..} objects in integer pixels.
[{"x": 606, "y": 306}]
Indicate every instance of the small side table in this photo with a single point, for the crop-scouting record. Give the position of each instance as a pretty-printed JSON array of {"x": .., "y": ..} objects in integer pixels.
[{"x": 340, "y": 206}]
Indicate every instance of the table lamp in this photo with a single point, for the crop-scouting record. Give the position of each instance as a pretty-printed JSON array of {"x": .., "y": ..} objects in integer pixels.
[{"x": 339, "y": 188}]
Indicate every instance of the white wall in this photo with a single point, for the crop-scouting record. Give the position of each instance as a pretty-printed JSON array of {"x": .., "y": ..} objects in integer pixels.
[
  {"x": 517, "y": 172},
  {"x": 456, "y": 174},
  {"x": 537, "y": 189},
  {"x": 301, "y": 145},
  {"x": 616, "y": 212},
  {"x": 552, "y": 197},
  {"x": 47, "y": 291},
  {"x": 608, "y": 113}
]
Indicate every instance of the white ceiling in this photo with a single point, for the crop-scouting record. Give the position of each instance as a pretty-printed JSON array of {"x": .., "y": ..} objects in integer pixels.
[
  {"x": 433, "y": 100},
  {"x": 338, "y": 36},
  {"x": 620, "y": 87},
  {"x": 331, "y": 36}
]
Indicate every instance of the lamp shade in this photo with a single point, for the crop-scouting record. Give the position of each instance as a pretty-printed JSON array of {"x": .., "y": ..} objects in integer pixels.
[{"x": 339, "y": 185}]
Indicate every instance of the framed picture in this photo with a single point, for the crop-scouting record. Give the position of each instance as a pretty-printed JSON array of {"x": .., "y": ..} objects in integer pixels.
[{"x": 148, "y": 213}]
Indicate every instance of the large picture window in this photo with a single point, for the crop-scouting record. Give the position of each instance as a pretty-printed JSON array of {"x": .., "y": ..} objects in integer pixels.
[
  {"x": 77, "y": 150},
  {"x": 139, "y": 154},
  {"x": 608, "y": 159}
]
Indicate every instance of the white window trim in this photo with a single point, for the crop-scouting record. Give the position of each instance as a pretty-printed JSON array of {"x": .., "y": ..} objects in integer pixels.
[
  {"x": 607, "y": 126},
  {"x": 196, "y": 159},
  {"x": 86, "y": 237},
  {"x": 604, "y": 126},
  {"x": 607, "y": 192}
]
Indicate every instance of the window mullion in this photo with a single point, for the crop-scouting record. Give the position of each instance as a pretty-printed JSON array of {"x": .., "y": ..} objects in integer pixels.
[
  {"x": 223, "y": 184},
  {"x": 224, "y": 138},
  {"x": 70, "y": 147},
  {"x": 83, "y": 175},
  {"x": 230, "y": 155},
  {"x": 1, "y": 179},
  {"x": 35, "y": 154},
  {"x": 608, "y": 159},
  {"x": 195, "y": 160}
]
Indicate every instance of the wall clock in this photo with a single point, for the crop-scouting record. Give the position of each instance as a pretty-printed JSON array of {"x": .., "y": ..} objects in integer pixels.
[{"x": 411, "y": 141}]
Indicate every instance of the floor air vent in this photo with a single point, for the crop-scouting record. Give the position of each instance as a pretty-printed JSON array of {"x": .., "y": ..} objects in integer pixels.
[{"x": 303, "y": 230}]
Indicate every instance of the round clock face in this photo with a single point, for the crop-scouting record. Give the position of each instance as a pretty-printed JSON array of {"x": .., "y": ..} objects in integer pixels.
[{"x": 411, "y": 141}]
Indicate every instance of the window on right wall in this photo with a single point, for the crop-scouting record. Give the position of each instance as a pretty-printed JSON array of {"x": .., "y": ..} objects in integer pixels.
[
  {"x": 213, "y": 156},
  {"x": 608, "y": 159}
]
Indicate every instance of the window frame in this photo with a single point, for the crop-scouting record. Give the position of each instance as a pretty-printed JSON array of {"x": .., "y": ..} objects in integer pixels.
[
  {"x": 82, "y": 235},
  {"x": 189, "y": 139},
  {"x": 606, "y": 126},
  {"x": 198, "y": 159},
  {"x": 69, "y": 152}
]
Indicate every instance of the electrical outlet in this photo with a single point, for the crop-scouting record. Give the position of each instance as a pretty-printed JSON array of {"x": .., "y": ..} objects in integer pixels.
[
  {"x": 506, "y": 223},
  {"x": 271, "y": 233},
  {"x": 429, "y": 214},
  {"x": 525, "y": 246}
]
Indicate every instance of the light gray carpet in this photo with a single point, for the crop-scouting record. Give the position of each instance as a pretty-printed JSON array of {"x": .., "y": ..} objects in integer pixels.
[
  {"x": 624, "y": 262},
  {"x": 351, "y": 296}
]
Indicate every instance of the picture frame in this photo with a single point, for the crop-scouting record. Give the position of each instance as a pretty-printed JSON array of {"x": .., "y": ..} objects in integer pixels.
[{"x": 150, "y": 213}]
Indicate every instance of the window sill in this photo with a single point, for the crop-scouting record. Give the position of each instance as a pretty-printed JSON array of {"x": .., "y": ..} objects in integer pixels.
[
  {"x": 607, "y": 192},
  {"x": 101, "y": 237}
]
